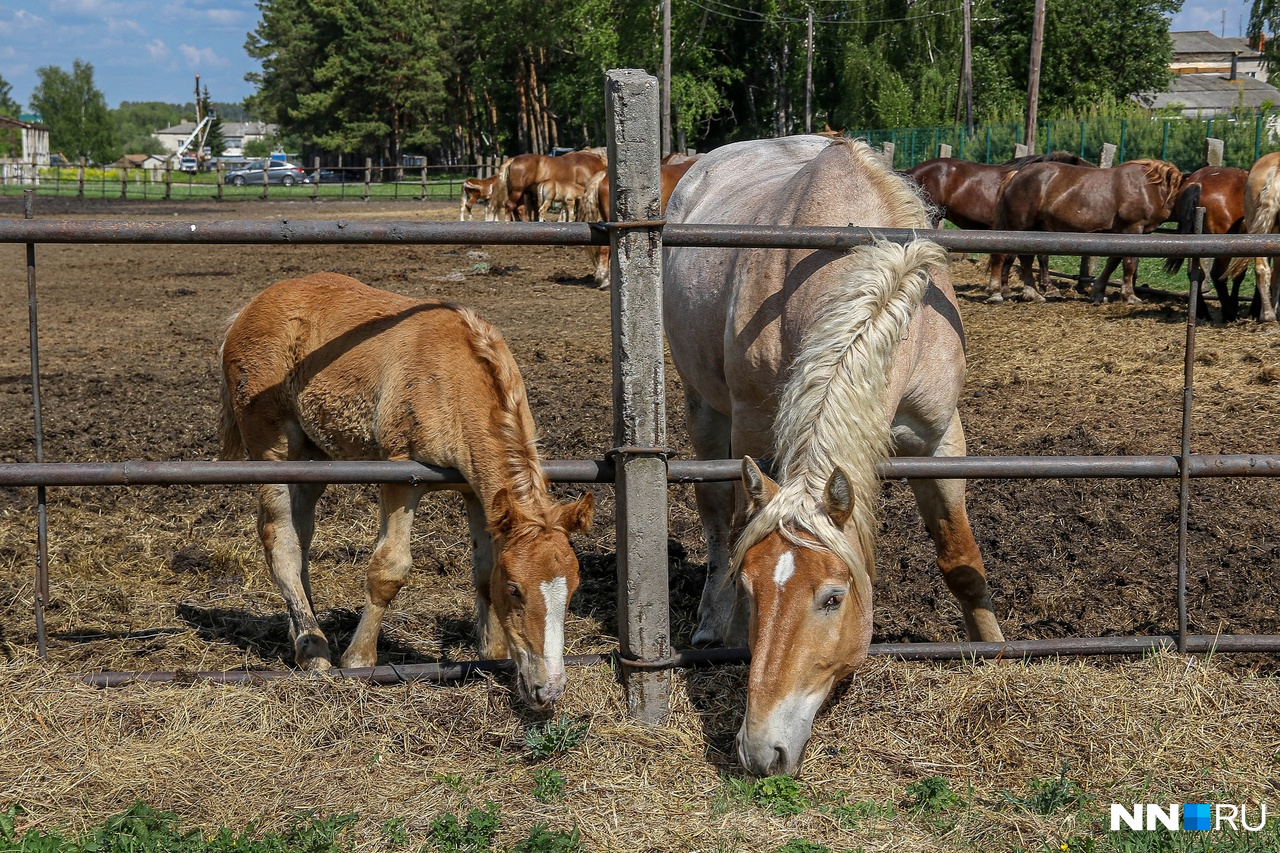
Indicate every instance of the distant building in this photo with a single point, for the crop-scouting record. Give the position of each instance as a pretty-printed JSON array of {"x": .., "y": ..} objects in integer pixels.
[
  {"x": 236, "y": 133},
  {"x": 1213, "y": 75},
  {"x": 24, "y": 150}
]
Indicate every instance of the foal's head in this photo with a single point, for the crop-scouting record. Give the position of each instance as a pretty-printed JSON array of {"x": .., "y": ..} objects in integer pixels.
[
  {"x": 810, "y": 619},
  {"x": 535, "y": 574}
]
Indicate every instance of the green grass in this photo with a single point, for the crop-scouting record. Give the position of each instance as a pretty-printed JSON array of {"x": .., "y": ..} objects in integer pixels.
[
  {"x": 554, "y": 737},
  {"x": 204, "y": 188}
]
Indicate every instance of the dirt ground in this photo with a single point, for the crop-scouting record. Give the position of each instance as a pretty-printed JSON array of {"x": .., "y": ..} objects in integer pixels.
[
  {"x": 173, "y": 578},
  {"x": 128, "y": 338}
]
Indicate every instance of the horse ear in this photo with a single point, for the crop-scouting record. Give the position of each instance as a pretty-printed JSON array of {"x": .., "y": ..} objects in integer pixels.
[
  {"x": 760, "y": 489},
  {"x": 576, "y": 517},
  {"x": 504, "y": 515},
  {"x": 837, "y": 498}
]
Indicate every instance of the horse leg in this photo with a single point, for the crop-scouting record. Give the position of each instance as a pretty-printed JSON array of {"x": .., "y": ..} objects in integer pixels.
[
  {"x": 490, "y": 638},
  {"x": 1128, "y": 282},
  {"x": 1047, "y": 287},
  {"x": 1100, "y": 283},
  {"x": 388, "y": 568},
  {"x": 942, "y": 506},
  {"x": 709, "y": 432},
  {"x": 998, "y": 278},
  {"x": 1029, "y": 292},
  {"x": 286, "y": 521}
]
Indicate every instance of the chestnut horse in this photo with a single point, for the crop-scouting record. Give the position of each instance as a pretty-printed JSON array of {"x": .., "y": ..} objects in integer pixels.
[
  {"x": 1262, "y": 216},
  {"x": 595, "y": 206},
  {"x": 1220, "y": 191},
  {"x": 1132, "y": 198},
  {"x": 826, "y": 361},
  {"x": 518, "y": 178},
  {"x": 566, "y": 193},
  {"x": 965, "y": 193},
  {"x": 325, "y": 367},
  {"x": 477, "y": 190}
]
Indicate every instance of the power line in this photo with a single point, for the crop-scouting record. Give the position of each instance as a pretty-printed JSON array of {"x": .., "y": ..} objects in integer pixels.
[{"x": 760, "y": 18}]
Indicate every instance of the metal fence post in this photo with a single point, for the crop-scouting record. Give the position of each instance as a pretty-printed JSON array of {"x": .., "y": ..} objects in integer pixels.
[
  {"x": 42, "y": 517},
  {"x": 639, "y": 391}
]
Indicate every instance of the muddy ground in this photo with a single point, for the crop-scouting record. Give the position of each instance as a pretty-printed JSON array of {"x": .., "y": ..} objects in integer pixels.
[{"x": 165, "y": 578}]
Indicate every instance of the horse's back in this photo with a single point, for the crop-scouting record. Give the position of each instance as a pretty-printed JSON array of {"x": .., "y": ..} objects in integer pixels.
[{"x": 357, "y": 369}]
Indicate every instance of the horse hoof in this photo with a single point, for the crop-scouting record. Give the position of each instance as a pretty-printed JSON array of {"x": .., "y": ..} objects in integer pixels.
[
  {"x": 1053, "y": 293},
  {"x": 1030, "y": 295},
  {"x": 311, "y": 651},
  {"x": 1133, "y": 300},
  {"x": 994, "y": 299}
]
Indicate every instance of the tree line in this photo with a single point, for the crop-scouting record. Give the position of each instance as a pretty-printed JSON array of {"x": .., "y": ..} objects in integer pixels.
[{"x": 458, "y": 80}]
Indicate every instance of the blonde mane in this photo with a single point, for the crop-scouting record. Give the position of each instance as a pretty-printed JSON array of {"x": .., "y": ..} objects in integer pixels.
[
  {"x": 527, "y": 481},
  {"x": 831, "y": 411}
]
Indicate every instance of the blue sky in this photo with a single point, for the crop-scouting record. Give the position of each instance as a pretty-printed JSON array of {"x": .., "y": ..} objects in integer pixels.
[{"x": 142, "y": 50}]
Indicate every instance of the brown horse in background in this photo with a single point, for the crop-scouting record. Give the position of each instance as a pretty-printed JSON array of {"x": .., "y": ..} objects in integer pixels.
[
  {"x": 1262, "y": 216},
  {"x": 965, "y": 193},
  {"x": 518, "y": 178},
  {"x": 477, "y": 191},
  {"x": 1220, "y": 191},
  {"x": 1132, "y": 198},
  {"x": 325, "y": 367},
  {"x": 595, "y": 206}
]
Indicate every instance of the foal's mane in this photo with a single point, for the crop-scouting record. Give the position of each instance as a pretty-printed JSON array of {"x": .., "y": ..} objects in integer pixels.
[
  {"x": 526, "y": 481},
  {"x": 831, "y": 411}
]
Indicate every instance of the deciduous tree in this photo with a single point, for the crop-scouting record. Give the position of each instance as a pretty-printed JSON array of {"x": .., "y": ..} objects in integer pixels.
[{"x": 76, "y": 113}]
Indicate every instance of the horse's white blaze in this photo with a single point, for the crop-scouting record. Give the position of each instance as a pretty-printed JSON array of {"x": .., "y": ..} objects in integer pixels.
[
  {"x": 785, "y": 569},
  {"x": 555, "y": 594}
]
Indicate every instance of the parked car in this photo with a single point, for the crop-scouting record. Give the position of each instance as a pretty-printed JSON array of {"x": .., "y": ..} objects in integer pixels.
[
  {"x": 278, "y": 172},
  {"x": 342, "y": 176}
]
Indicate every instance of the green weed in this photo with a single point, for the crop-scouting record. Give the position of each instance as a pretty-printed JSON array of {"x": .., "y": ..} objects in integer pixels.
[
  {"x": 801, "y": 845},
  {"x": 554, "y": 737},
  {"x": 932, "y": 794},
  {"x": 1047, "y": 796},
  {"x": 475, "y": 835},
  {"x": 851, "y": 815},
  {"x": 548, "y": 784},
  {"x": 542, "y": 839},
  {"x": 395, "y": 833},
  {"x": 781, "y": 795}
]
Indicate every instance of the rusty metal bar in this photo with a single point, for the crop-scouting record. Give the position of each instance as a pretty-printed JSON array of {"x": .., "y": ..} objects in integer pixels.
[
  {"x": 1184, "y": 479},
  {"x": 42, "y": 514},
  {"x": 145, "y": 473},
  {"x": 311, "y": 232},
  {"x": 686, "y": 658}
]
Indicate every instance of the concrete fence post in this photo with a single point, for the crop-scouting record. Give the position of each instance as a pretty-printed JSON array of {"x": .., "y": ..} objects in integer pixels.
[
  {"x": 1019, "y": 150},
  {"x": 944, "y": 150},
  {"x": 639, "y": 390},
  {"x": 888, "y": 148},
  {"x": 1213, "y": 151},
  {"x": 368, "y": 176},
  {"x": 1107, "y": 157}
]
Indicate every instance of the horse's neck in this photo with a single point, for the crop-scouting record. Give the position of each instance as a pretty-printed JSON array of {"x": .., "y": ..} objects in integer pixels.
[{"x": 497, "y": 456}]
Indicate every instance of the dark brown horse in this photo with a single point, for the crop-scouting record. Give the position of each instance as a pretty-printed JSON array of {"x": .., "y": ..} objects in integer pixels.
[
  {"x": 595, "y": 206},
  {"x": 1132, "y": 198},
  {"x": 965, "y": 193},
  {"x": 1220, "y": 191},
  {"x": 518, "y": 178}
]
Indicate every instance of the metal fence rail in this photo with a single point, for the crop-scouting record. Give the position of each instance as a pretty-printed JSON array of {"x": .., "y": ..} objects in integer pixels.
[{"x": 641, "y": 567}]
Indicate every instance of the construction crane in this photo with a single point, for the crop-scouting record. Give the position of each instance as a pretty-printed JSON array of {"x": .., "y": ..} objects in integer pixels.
[{"x": 197, "y": 137}]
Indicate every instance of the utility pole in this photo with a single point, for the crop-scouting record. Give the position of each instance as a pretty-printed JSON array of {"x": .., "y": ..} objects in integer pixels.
[
  {"x": 666, "y": 77},
  {"x": 966, "y": 71},
  {"x": 1033, "y": 81},
  {"x": 808, "y": 79}
]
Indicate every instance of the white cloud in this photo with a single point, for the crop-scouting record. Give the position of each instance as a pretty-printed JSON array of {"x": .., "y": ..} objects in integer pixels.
[
  {"x": 124, "y": 25},
  {"x": 200, "y": 57},
  {"x": 87, "y": 8},
  {"x": 23, "y": 20},
  {"x": 225, "y": 17},
  {"x": 158, "y": 51}
]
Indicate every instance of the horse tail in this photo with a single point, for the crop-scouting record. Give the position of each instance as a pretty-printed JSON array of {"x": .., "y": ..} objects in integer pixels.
[
  {"x": 501, "y": 190},
  {"x": 1000, "y": 222},
  {"x": 1261, "y": 221},
  {"x": 229, "y": 437},
  {"x": 1185, "y": 216},
  {"x": 830, "y": 413},
  {"x": 591, "y": 209}
]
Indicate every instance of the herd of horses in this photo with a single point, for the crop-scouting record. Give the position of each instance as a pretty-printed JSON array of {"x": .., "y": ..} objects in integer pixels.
[{"x": 825, "y": 362}]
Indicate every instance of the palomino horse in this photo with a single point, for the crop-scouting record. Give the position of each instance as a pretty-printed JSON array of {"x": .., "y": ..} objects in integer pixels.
[
  {"x": 1132, "y": 198},
  {"x": 965, "y": 193},
  {"x": 1220, "y": 191},
  {"x": 518, "y": 178},
  {"x": 565, "y": 193},
  {"x": 595, "y": 206},
  {"x": 325, "y": 367},
  {"x": 477, "y": 191},
  {"x": 826, "y": 361},
  {"x": 1262, "y": 216}
]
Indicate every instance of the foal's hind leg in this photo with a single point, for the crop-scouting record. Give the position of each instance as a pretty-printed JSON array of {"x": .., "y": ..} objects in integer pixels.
[
  {"x": 490, "y": 638},
  {"x": 388, "y": 568},
  {"x": 942, "y": 507},
  {"x": 286, "y": 522}
]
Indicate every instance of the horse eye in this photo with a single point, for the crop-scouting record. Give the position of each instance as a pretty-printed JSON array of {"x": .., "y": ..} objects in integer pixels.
[
  {"x": 513, "y": 591},
  {"x": 833, "y": 602}
]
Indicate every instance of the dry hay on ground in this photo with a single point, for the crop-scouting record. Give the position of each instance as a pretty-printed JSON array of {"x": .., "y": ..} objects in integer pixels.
[{"x": 150, "y": 578}]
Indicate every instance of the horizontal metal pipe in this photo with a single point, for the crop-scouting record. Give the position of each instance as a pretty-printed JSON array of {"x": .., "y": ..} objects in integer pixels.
[
  {"x": 143, "y": 473},
  {"x": 459, "y": 670},
  {"x": 309, "y": 232}
]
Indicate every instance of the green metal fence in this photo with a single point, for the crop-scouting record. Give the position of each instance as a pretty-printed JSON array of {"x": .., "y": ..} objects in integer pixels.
[{"x": 1178, "y": 140}]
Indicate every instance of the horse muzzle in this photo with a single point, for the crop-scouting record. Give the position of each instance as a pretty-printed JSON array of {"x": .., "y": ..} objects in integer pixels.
[{"x": 772, "y": 743}]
